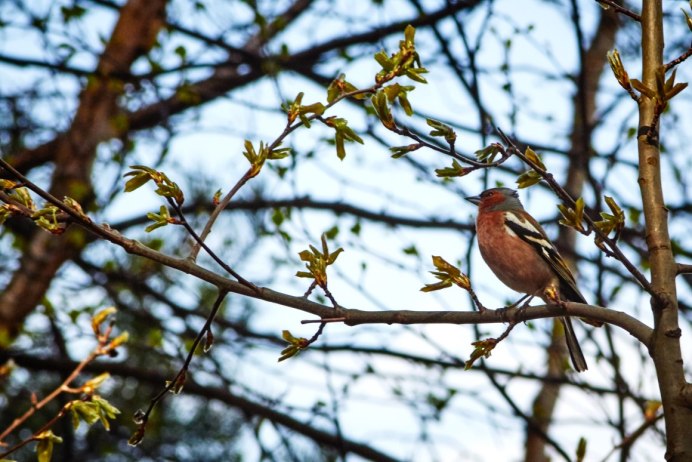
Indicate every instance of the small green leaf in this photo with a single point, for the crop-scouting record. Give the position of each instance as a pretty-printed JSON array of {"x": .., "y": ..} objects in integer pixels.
[
  {"x": 277, "y": 217},
  {"x": 447, "y": 274},
  {"x": 643, "y": 89},
  {"x": 456, "y": 170},
  {"x": 332, "y": 232},
  {"x": 384, "y": 61},
  {"x": 483, "y": 349},
  {"x": 528, "y": 178},
  {"x": 581, "y": 449},
  {"x": 277, "y": 154},
  {"x": 442, "y": 130},
  {"x": 100, "y": 317},
  {"x": 44, "y": 448},
  {"x": 288, "y": 337},
  {"x": 618, "y": 69},
  {"x": 381, "y": 106},
  {"x": 154, "y": 226},
  {"x": 72, "y": 12},
  {"x": 250, "y": 153},
  {"x": 92, "y": 384},
  {"x": 85, "y": 411},
  {"x": 181, "y": 51},
  {"x": 333, "y": 255},
  {"x": 107, "y": 411},
  {"x": 119, "y": 340},
  {"x": 534, "y": 158},
  {"x": 411, "y": 250},
  {"x": 409, "y": 34},
  {"x": 415, "y": 74},
  {"x": 297, "y": 344},
  {"x": 406, "y": 105},
  {"x": 7, "y": 184},
  {"x": 436, "y": 286},
  {"x": 23, "y": 197},
  {"x": 340, "y": 148},
  {"x": 334, "y": 89},
  {"x": 489, "y": 153},
  {"x": 138, "y": 180}
]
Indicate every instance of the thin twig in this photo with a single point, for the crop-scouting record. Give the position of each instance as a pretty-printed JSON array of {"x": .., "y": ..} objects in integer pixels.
[
  {"x": 43, "y": 428},
  {"x": 323, "y": 320},
  {"x": 179, "y": 378},
  {"x": 352, "y": 316},
  {"x": 215, "y": 214},
  {"x": 104, "y": 347},
  {"x": 251, "y": 173},
  {"x": 679, "y": 59},
  {"x": 620, "y": 9},
  {"x": 564, "y": 195},
  {"x": 628, "y": 441},
  {"x": 200, "y": 242}
]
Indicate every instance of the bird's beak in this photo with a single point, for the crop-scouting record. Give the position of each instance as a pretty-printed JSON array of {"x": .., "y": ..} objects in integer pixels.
[{"x": 474, "y": 199}]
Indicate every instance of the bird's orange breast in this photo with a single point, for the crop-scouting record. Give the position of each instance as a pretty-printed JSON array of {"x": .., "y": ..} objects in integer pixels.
[{"x": 513, "y": 261}]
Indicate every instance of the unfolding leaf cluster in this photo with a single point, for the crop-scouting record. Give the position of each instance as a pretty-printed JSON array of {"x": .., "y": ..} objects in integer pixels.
[
  {"x": 296, "y": 110},
  {"x": 317, "y": 261},
  {"x": 404, "y": 62},
  {"x": 483, "y": 349},
  {"x": 142, "y": 174},
  {"x": 448, "y": 275},
  {"x": 257, "y": 157},
  {"x": 531, "y": 177},
  {"x": 296, "y": 345},
  {"x": 343, "y": 133},
  {"x": 613, "y": 222}
]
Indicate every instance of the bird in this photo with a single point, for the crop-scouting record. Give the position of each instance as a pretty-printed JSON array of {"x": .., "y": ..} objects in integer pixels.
[{"x": 520, "y": 254}]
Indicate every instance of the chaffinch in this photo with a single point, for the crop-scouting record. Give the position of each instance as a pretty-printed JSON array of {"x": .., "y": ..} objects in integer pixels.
[{"x": 518, "y": 251}]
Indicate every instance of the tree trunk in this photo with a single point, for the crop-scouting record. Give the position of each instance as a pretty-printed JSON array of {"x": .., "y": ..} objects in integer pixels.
[{"x": 665, "y": 349}]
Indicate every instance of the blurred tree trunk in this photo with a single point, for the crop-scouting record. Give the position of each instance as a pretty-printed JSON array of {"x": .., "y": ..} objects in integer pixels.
[
  {"x": 95, "y": 121},
  {"x": 592, "y": 64}
]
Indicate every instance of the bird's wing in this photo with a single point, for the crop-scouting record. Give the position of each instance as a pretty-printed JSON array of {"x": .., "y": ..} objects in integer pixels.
[{"x": 529, "y": 231}]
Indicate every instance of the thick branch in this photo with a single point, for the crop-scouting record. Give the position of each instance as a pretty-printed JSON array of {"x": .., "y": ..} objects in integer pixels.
[{"x": 352, "y": 317}]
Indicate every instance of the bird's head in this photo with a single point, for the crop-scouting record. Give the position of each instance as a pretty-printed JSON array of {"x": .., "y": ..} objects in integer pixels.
[{"x": 495, "y": 199}]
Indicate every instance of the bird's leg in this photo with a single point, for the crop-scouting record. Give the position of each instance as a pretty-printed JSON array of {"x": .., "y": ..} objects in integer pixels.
[
  {"x": 551, "y": 295},
  {"x": 518, "y": 305},
  {"x": 519, "y": 302}
]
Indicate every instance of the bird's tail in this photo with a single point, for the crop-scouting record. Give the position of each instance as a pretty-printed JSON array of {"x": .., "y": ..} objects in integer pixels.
[{"x": 575, "y": 353}]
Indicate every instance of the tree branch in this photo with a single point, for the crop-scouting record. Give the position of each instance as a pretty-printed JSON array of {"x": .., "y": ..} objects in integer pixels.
[
  {"x": 684, "y": 268},
  {"x": 353, "y": 317},
  {"x": 620, "y": 9}
]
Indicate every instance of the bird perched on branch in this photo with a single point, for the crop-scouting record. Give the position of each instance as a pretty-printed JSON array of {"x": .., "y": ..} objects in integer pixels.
[{"x": 518, "y": 251}]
